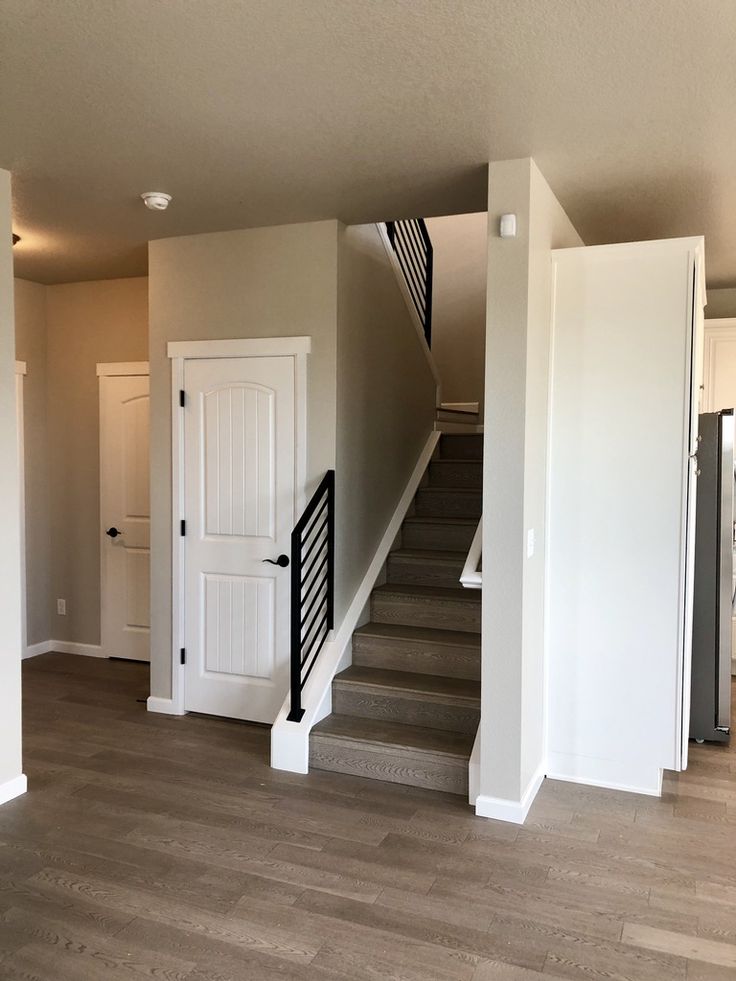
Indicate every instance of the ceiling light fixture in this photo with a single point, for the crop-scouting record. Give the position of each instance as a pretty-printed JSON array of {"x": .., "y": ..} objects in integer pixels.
[{"x": 156, "y": 200}]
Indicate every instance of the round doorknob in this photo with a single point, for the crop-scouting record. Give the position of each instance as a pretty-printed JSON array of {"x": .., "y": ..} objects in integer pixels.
[
  {"x": 282, "y": 560},
  {"x": 113, "y": 532}
]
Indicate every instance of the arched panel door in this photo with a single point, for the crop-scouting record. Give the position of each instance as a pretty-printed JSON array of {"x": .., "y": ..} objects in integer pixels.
[{"x": 239, "y": 506}]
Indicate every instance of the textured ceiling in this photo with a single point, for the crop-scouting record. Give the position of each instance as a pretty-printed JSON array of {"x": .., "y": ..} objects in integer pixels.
[{"x": 255, "y": 112}]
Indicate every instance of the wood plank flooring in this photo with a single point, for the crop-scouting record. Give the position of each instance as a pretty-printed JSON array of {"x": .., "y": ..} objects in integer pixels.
[{"x": 166, "y": 848}]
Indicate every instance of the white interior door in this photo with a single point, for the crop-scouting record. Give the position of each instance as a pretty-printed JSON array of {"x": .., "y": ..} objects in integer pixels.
[
  {"x": 239, "y": 464},
  {"x": 125, "y": 515}
]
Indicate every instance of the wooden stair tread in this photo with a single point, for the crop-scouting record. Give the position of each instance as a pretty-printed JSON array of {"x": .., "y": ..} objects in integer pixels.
[
  {"x": 400, "y": 631},
  {"x": 429, "y": 555},
  {"x": 411, "y": 591},
  {"x": 458, "y": 459},
  {"x": 380, "y": 735},
  {"x": 410, "y": 683},
  {"x": 438, "y": 519}
]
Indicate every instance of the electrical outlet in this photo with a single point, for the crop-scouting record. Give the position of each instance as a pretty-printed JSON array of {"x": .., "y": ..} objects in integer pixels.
[{"x": 61, "y": 607}]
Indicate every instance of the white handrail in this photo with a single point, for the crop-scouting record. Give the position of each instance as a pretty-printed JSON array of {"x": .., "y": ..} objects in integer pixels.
[{"x": 472, "y": 576}]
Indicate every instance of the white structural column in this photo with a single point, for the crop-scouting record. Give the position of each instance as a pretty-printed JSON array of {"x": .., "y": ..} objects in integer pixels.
[
  {"x": 518, "y": 332},
  {"x": 12, "y": 781}
]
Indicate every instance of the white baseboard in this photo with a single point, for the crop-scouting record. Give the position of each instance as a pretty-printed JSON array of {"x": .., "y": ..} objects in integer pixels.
[
  {"x": 290, "y": 740},
  {"x": 33, "y": 650},
  {"x": 513, "y": 811},
  {"x": 13, "y": 788},
  {"x": 63, "y": 647},
  {"x": 164, "y": 706},
  {"x": 630, "y": 777},
  {"x": 72, "y": 647}
]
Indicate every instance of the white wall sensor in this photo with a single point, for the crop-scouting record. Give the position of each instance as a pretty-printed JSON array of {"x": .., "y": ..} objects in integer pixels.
[{"x": 507, "y": 226}]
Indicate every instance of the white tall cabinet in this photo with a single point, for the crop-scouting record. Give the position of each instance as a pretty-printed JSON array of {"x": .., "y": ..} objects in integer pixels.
[{"x": 626, "y": 372}]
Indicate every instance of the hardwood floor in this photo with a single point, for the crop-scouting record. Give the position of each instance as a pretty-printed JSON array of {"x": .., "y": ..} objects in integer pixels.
[{"x": 158, "y": 847}]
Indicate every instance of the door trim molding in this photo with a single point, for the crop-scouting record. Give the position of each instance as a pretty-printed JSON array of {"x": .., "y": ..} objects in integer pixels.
[
  {"x": 247, "y": 347},
  {"x": 116, "y": 368},
  {"x": 179, "y": 352}
]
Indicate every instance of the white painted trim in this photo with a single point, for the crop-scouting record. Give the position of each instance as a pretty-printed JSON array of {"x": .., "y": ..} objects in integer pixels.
[
  {"x": 474, "y": 770},
  {"x": 246, "y": 347},
  {"x": 13, "y": 788},
  {"x": 72, "y": 647},
  {"x": 177, "y": 543},
  {"x": 164, "y": 706},
  {"x": 179, "y": 352},
  {"x": 20, "y": 372},
  {"x": 513, "y": 811},
  {"x": 45, "y": 647},
  {"x": 117, "y": 368},
  {"x": 473, "y": 407},
  {"x": 418, "y": 325},
  {"x": 445, "y": 426},
  {"x": 471, "y": 577},
  {"x": 290, "y": 740},
  {"x": 611, "y": 774}
]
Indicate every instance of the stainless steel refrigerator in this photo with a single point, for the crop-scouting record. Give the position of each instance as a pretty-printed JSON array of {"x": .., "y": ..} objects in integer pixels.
[{"x": 710, "y": 704}]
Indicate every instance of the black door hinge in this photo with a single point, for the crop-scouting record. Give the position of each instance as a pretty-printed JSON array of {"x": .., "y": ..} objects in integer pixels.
[
  {"x": 183, "y": 528},
  {"x": 182, "y": 398},
  {"x": 183, "y": 655}
]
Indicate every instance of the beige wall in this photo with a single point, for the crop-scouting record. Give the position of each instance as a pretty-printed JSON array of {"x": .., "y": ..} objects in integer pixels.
[
  {"x": 86, "y": 323},
  {"x": 385, "y": 402},
  {"x": 460, "y": 246},
  {"x": 721, "y": 303},
  {"x": 515, "y": 472},
  {"x": 30, "y": 346},
  {"x": 261, "y": 282},
  {"x": 10, "y": 594}
]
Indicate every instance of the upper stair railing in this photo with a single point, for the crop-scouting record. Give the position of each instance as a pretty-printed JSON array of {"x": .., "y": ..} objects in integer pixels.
[
  {"x": 312, "y": 587},
  {"x": 472, "y": 577},
  {"x": 410, "y": 241}
]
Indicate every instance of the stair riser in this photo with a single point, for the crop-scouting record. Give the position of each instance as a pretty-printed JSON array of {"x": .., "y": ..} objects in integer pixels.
[
  {"x": 439, "y": 659},
  {"x": 420, "y": 534},
  {"x": 448, "y": 504},
  {"x": 461, "y": 447},
  {"x": 364, "y": 703},
  {"x": 395, "y": 766},
  {"x": 418, "y": 572},
  {"x": 448, "y": 473},
  {"x": 442, "y": 614}
]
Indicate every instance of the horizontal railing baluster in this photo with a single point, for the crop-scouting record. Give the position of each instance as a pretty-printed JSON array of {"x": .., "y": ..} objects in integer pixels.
[
  {"x": 312, "y": 587},
  {"x": 412, "y": 246}
]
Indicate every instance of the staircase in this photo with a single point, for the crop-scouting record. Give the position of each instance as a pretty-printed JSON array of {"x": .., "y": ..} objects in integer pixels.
[{"x": 407, "y": 709}]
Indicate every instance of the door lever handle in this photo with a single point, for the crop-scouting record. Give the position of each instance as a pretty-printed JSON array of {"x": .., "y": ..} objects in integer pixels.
[
  {"x": 282, "y": 561},
  {"x": 113, "y": 532}
]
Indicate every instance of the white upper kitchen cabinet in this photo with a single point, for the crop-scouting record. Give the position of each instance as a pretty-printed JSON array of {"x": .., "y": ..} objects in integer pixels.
[{"x": 627, "y": 343}]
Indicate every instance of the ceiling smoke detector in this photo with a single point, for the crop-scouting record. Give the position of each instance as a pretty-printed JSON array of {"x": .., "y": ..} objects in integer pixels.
[{"x": 156, "y": 200}]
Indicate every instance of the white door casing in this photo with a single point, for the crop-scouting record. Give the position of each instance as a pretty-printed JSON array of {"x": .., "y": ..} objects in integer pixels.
[
  {"x": 239, "y": 471},
  {"x": 125, "y": 506},
  {"x": 20, "y": 373}
]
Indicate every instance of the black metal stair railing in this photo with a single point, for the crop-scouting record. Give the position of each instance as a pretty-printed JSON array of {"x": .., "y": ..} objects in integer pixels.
[
  {"x": 411, "y": 243},
  {"x": 312, "y": 587}
]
